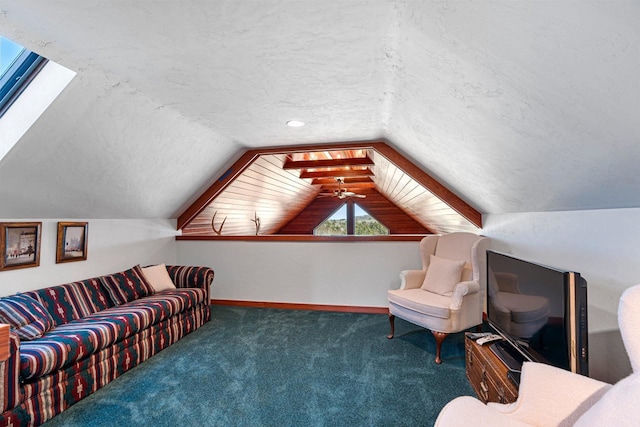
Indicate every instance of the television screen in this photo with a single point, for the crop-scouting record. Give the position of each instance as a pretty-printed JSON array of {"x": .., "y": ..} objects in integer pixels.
[{"x": 539, "y": 310}]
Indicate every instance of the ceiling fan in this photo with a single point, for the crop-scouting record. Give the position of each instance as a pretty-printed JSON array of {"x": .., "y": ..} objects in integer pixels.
[{"x": 341, "y": 193}]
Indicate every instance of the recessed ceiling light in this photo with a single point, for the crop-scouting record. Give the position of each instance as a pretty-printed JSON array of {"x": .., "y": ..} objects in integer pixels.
[{"x": 295, "y": 123}]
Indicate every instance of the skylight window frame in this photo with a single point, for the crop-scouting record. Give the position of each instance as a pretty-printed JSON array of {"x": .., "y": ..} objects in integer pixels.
[{"x": 18, "y": 76}]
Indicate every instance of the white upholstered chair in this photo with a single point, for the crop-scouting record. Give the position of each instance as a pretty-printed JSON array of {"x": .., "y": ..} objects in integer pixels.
[
  {"x": 447, "y": 295},
  {"x": 550, "y": 396}
]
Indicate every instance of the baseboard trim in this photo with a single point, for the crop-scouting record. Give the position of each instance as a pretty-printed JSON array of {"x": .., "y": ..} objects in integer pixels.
[{"x": 292, "y": 306}]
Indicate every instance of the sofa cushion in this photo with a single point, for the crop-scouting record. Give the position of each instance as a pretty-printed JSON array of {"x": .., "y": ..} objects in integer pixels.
[
  {"x": 27, "y": 317},
  {"x": 98, "y": 331},
  {"x": 126, "y": 286},
  {"x": 173, "y": 301},
  {"x": 72, "y": 301},
  {"x": 421, "y": 301},
  {"x": 158, "y": 278},
  {"x": 95, "y": 297},
  {"x": 442, "y": 275}
]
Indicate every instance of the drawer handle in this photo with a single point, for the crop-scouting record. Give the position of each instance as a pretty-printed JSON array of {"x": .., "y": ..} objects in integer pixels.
[
  {"x": 484, "y": 389},
  {"x": 469, "y": 356}
]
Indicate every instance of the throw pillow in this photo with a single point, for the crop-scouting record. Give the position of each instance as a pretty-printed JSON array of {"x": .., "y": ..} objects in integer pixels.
[
  {"x": 126, "y": 286},
  {"x": 27, "y": 317},
  {"x": 442, "y": 275},
  {"x": 158, "y": 277}
]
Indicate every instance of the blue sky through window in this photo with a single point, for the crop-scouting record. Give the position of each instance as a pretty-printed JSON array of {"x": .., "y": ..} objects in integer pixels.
[
  {"x": 342, "y": 212},
  {"x": 9, "y": 51}
]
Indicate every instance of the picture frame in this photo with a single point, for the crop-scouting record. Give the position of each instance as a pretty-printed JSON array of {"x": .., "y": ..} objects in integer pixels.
[
  {"x": 20, "y": 245},
  {"x": 72, "y": 241}
]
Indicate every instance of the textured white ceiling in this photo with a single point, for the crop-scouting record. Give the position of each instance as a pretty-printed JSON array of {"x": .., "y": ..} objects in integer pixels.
[{"x": 516, "y": 106}]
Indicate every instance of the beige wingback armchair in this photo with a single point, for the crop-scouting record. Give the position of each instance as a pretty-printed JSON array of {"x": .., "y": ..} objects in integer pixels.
[
  {"x": 447, "y": 295},
  {"x": 550, "y": 396}
]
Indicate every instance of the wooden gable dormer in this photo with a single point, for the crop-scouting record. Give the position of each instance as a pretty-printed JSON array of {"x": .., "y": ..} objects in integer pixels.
[{"x": 283, "y": 188}]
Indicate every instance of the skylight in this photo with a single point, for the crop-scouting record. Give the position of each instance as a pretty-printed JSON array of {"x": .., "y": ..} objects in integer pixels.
[
  {"x": 9, "y": 52},
  {"x": 29, "y": 84},
  {"x": 17, "y": 68}
]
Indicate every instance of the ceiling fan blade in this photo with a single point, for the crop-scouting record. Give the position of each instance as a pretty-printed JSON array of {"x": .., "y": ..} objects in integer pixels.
[{"x": 360, "y": 196}]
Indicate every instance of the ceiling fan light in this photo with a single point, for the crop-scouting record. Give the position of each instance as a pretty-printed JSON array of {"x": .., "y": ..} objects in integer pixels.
[{"x": 295, "y": 123}]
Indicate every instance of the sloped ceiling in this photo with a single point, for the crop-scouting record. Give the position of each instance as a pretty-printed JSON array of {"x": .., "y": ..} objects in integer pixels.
[
  {"x": 515, "y": 106},
  {"x": 280, "y": 186}
]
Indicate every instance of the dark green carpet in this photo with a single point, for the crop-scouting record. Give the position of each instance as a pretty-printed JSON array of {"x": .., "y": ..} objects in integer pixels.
[{"x": 266, "y": 367}]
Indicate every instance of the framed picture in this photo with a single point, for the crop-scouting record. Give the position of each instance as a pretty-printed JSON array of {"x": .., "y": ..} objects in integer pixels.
[
  {"x": 72, "y": 241},
  {"x": 20, "y": 245}
]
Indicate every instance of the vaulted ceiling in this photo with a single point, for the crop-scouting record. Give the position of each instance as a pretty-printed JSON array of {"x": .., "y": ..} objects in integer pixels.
[
  {"x": 514, "y": 106},
  {"x": 291, "y": 190}
]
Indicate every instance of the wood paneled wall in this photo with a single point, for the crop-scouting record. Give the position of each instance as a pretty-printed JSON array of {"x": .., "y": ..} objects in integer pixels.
[
  {"x": 416, "y": 201},
  {"x": 271, "y": 184},
  {"x": 263, "y": 189},
  {"x": 374, "y": 204}
]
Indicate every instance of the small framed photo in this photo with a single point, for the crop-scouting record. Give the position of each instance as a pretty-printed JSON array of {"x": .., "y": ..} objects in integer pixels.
[
  {"x": 72, "y": 241},
  {"x": 20, "y": 245}
]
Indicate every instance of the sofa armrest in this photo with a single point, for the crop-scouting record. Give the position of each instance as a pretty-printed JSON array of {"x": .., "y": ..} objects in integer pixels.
[
  {"x": 552, "y": 396},
  {"x": 191, "y": 276},
  {"x": 462, "y": 289},
  {"x": 412, "y": 279},
  {"x": 10, "y": 376}
]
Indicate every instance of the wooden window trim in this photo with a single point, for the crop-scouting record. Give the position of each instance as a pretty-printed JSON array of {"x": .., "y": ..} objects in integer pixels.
[{"x": 308, "y": 238}]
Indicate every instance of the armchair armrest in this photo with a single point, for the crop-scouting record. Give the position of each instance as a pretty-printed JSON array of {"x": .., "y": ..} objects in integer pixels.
[
  {"x": 412, "y": 279},
  {"x": 462, "y": 289},
  {"x": 10, "y": 376},
  {"x": 552, "y": 396},
  {"x": 465, "y": 411}
]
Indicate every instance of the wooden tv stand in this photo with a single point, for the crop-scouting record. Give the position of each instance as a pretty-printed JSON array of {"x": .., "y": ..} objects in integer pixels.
[{"x": 488, "y": 374}]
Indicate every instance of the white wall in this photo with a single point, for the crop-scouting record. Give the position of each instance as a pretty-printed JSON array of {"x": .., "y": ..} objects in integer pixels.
[
  {"x": 114, "y": 245},
  {"x": 332, "y": 273},
  {"x": 600, "y": 244}
]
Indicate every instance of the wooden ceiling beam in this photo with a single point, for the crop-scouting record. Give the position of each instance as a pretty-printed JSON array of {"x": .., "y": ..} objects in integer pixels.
[
  {"x": 330, "y": 181},
  {"x": 328, "y": 163},
  {"x": 346, "y": 173},
  {"x": 349, "y": 187},
  {"x": 380, "y": 147}
]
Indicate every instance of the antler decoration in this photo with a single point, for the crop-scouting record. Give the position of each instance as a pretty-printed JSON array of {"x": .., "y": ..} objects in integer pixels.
[
  {"x": 256, "y": 220},
  {"x": 213, "y": 224}
]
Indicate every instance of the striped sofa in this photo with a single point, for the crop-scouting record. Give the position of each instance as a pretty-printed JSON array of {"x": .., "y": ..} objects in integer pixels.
[{"x": 98, "y": 329}]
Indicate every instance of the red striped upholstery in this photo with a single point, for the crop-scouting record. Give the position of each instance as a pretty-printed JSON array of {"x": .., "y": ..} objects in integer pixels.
[
  {"x": 45, "y": 376},
  {"x": 27, "y": 317},
  {"x": 73, "y": 301}
]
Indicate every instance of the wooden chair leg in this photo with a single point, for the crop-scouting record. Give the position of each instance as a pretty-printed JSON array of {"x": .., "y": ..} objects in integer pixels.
[
  {"x": 392, "y": 319},
  {"x": 440, "y": 337}
]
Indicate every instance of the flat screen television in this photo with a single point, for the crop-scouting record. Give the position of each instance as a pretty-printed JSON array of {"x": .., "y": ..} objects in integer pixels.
[{"x": 540, "y": 311}]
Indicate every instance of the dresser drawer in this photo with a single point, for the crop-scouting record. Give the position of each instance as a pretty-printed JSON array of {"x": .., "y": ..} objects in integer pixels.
[{"x": 488, "y": 375}]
